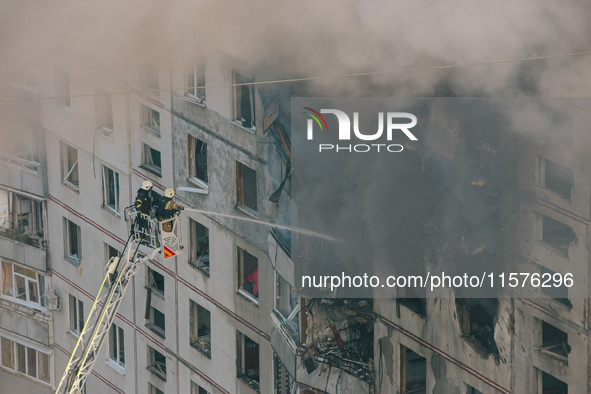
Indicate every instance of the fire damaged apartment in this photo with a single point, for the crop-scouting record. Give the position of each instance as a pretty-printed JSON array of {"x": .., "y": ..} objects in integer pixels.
[{"x": 226, "y": 314}]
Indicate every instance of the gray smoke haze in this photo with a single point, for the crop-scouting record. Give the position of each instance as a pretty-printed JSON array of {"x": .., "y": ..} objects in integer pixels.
[{"x": 307, "y": 39}]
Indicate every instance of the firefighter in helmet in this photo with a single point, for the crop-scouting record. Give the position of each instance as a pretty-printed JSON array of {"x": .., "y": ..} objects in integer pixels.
[
  {"x": 167, "y": 209},
  {"x": 145, "y": 199}
]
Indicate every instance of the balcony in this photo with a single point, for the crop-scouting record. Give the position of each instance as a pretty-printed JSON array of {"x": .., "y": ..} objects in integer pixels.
[{"x": 23, "y": 249}]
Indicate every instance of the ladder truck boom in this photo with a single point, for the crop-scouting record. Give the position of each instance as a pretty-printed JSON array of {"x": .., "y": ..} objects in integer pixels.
[{"x": 159, "y": 236}]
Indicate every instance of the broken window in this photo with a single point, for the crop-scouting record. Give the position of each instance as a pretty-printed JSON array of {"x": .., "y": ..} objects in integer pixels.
[
  {"x": 22, "y": 284},
  {"x": 76, "y": 313},
  {"x": 200, "y": 328},
  {"x": 246, "y": 188},
  {"x": 555, "y": 177},
  {"x": 25, "y": 360},
  {"x": 151, "y": 160},
  {"x": 149, "y": 79},
  {"x": 195, "y": 82},
  {"x": 548, "y": 384},
  {"x": 413, "y": 373},
  {"x": 155, "y": 281},
  {"x": 117, "y": 345},
  {"x": 156, "y": 322},
  {"x": 22, "y": 218},
  {"x": 559, "y": 294},
  {"x": 62, "y": 89},
  {"x": 476, "y": 317},
  {"x": 154, "y": 390},
  {"x": 150, "y": 118},
  {"x": 244, "y": 110},
  {"x": 248, "y": 275},
  {"x": 557, "y": 234},
  {"x": 69, "y": 160},
  {"x": 248, "y": 361},
  {"x": 554, "y": 342},
  {"x": 156, "y": 363},
  {"x": 110, "y": 189},
  {"x": 197, "y": 154},
  {"x": 199, "y": 249},
  {"x": 196, "y": 389},
  {"x": 72, "y": 243},
  {"x": 21, "y": 144},
  {"x": 285, "y": 300},
  {"x": 103, "y": 112}
]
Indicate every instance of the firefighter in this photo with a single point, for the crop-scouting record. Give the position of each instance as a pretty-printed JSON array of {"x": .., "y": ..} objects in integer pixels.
[
  {"x": 145, "y": 198},
  {"x": 167, "y": 209}
]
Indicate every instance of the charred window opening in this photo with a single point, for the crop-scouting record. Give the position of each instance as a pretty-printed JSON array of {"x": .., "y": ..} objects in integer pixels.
[
  {"x": 548, "y": 384},
  {"x": 413, "y": 373},
  {"x": 199, "y": 249},
  {"x": 248, "y": 275},
  {"x": 557, "y": 234},
  {"x": 22, "y": 219},
  {"x": 200, "y": 328},
  {"x": 560, "y": 293},
  {"x": 150, "y": 119},
  {"x": 248, "y": 361},
  {"x": 557, "y": 178},
  {"x": 156, "y": 363},
  {"x": 246, "y": 188},
  {"x": 554, "y": 342},
  {"x": 477, "y": 318}
]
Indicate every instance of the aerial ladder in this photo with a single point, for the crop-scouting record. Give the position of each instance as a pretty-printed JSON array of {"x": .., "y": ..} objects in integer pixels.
[{"x": 157, "y": 236}]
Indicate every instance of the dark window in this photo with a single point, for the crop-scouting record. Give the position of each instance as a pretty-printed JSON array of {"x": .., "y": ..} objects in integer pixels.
[
  {"x": 248, "y": 361},
  {"x": 197, "y": 154},
  {"x": 151, "y": 160},
  {"x": 76, "y": 310},
  {"x": 554, "y": 342},
  {"x": 557, "y": 234},
  {"x": 551, "y": 385},
  {"x": 413, "y": 374},
  {"x": 155, "y": 281},
  {"x": 200, "y": 328},
  {"x": 156, "y": 363},
  {"x": 244, "y": 111},
  {"x": 557, "y": 178},
  {"x": 246, "y": 186},
  {"x": 199, "y": 249},
  {"x": 560, "y": 293},
  {"x": 72, "y": 249}
]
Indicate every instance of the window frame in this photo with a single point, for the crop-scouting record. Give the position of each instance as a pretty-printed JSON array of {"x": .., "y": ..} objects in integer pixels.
[
  {"x": 103, "y": 105},
  {"x": 8, "y": 340},
  {"x": 153, "y": 364},
  {"x": 68, "y": 170},
  {"x": 117, "y": 343},
  {"x": 147, "y": 158},
  {"x": 194, "y": 83},
  {"x": 63, "y": 89},
  {"x": 152, "y": 284},
  {"x": 242, "y": 275},
  {"x": 241, "y": 367},
  {"x": 109, "y": 175},
  {"x": 75, "y": 315},
  {"x": 541, "y": 180},
  {"x": 68, "y": 247},
  {"x": 151, "y": 322},
  {"x": 240, "y": 190},
  {"x": 239, "y": 92},
  {"x": 194, "y": 248},
  {"x": 198, "y": 389},
  {"x": 25, "y": 218},
  {"x": 39, "y": 284},
  {"x": 147, "y": 119},
  {"x": 195, "y": 325},
  {"x": 193, "y": 158}
]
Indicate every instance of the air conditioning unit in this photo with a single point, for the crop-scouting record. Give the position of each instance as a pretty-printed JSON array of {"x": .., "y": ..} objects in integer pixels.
[{"x": 53, "y": 302}]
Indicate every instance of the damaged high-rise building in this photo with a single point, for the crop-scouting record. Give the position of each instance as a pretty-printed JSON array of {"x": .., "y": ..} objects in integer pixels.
[{"x": 80, "y": 136}]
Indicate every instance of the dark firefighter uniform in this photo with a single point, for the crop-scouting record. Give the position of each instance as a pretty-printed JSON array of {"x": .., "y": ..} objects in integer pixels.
[{"x": 167, "y": 209}]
